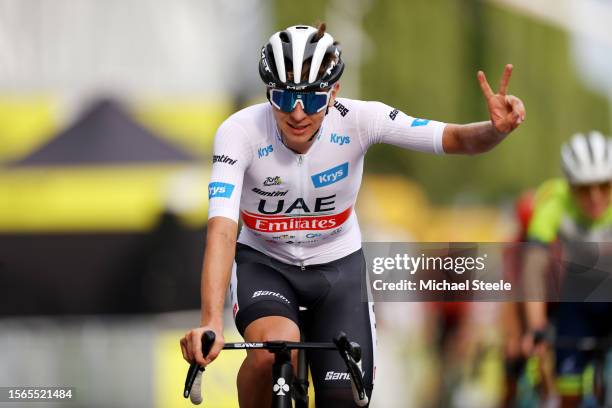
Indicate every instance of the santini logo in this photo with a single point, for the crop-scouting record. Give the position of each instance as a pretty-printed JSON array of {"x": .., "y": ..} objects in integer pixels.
[
  {"x": 223, "y": 159},
  {"x": 333, "y": 376},
  {"x": 270, "y": 293},
  {"x": 330, "y": 176},
  {"x": 269, "y": 193},
  {"x": 264, "y": 151},
  {"x": 220, "y": 190},
  {"x": 341, "y": 140}
]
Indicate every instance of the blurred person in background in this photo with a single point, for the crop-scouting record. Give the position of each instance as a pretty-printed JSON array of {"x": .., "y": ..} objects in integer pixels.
[
  {"x": 513, "y": 316},
  {"x": 527, "y": 378},
  {"x": 291, "y": 170},
  {"x": 576, "y": 214}
]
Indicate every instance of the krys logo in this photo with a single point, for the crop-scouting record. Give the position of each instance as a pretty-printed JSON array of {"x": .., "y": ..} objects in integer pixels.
[
  {"x": 419, "y": 122},
  {"x": 220, "y": 190},
  {"x": 264, "y": 151},
  {"x": 341, "y": 140},
  {"x": 330, "y": 176}
]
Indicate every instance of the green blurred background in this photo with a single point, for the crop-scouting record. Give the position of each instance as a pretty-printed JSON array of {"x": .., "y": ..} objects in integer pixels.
[{"x": 423, "y": 59}]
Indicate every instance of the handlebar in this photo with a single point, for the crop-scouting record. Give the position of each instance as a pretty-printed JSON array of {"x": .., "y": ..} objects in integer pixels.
[
  {"x": 597, "y": 344},
  {"x": 580, "y": 343},
  {"x": 349, "y": 351}
]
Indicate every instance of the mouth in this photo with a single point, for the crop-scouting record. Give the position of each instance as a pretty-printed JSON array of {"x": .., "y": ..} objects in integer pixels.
[{"x": 297, "y": 129}]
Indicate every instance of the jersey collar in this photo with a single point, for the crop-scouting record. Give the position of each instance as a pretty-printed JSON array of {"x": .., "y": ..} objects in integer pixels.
[{"x": 316, "y": 138}]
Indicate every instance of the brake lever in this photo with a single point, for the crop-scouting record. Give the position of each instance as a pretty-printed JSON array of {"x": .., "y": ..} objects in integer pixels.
[
  {"x": 208, "y": 339},
  {"x": 351, "y": 354}
]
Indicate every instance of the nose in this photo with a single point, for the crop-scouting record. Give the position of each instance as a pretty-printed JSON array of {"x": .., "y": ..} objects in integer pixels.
[
  {"x": 297, "y": 114},
  {"x": 595, "y": 193}
]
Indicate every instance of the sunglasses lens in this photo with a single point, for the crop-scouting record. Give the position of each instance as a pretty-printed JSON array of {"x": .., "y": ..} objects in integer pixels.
[
  {"x": 315, "y": 102},
  {"x": 281, "y": 100},
  {"x": 286, "y": 101}
]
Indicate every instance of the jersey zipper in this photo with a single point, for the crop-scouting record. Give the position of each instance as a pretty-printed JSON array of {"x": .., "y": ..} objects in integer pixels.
[{"x": 298, "y": 232}]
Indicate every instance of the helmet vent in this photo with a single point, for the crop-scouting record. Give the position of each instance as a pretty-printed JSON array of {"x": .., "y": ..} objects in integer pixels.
[
  {"x": 585, "y": 159},
  {"x": 284, "y": 37}
]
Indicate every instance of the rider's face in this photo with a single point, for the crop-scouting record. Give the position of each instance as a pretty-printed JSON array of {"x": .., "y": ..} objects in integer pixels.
[
  {"x": 297, "y": 126},
  {"x": 593, "y": 199}
]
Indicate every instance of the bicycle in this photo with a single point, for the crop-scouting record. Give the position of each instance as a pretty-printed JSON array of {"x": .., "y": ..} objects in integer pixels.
[
  {"x": 596, "y": 379},
  {"x": 285, "y": 387}
]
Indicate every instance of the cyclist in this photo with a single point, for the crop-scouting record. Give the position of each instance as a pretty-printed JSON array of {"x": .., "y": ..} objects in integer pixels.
[
  {"x": 522, "y": 383},
  {"x": 568, "y": 212},
  {"x": 291, "y": 170}
]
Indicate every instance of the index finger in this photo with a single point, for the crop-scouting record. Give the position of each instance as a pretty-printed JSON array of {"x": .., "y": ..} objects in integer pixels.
[
  {"x": 196, "y": 348},
  {"x": 185, "y": 350},
  {"x": 503, "y": 86},
  {"x": 484, "y": 85}
]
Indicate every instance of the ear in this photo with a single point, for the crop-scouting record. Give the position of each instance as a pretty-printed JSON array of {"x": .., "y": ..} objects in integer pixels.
[{"x": 334, "y": 92}]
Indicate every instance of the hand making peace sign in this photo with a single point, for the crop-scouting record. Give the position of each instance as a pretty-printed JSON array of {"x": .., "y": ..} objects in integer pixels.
[{"x": 507, "y": 111}]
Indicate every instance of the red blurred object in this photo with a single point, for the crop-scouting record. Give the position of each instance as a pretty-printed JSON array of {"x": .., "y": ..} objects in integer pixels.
[{"x": 523, "y": 210}]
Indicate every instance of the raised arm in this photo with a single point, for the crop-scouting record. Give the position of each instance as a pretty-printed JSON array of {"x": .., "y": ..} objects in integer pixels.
[{"x": 507, "y": 112}]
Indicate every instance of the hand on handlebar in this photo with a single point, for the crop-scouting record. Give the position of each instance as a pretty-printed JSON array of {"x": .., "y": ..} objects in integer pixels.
[
  {"x": 191, "y": 345},
  {"x": 535, "y": 343}
]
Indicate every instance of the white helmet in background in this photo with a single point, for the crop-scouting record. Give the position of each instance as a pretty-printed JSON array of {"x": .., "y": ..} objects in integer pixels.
[{"x": 587, "y": 159}]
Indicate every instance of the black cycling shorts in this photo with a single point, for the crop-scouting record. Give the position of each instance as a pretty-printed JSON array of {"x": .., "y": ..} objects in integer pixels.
[{"x": 262, "y": 286}]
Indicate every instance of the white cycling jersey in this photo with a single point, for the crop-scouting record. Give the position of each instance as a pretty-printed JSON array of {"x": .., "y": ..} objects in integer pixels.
[{"x": 299, "y": 208}]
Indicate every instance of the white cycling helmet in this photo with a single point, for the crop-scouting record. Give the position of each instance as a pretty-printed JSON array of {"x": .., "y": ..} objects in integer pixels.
[
  {"x": 288, "y": 51},
  {"x": 587, "y": 159}
]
